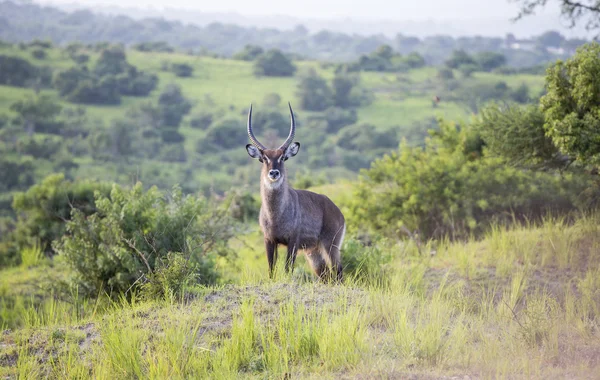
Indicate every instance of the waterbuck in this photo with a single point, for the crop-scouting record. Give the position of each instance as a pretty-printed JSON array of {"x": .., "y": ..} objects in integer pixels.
[{"x": 299, "y": 219}]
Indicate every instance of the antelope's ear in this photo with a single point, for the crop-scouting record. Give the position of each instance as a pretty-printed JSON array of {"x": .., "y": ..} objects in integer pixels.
[
  {"x": 292, "y": 150},
  {"x": 254, "y": 152}
]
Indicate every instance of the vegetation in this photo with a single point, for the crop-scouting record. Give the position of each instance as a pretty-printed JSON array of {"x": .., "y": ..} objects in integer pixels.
[
  {"x": 472, "y": 235},
  {"x": 31, "y": 22}
]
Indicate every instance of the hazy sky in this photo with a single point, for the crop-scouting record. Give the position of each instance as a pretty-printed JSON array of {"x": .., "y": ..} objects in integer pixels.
[{"x": 355, "y": 9}]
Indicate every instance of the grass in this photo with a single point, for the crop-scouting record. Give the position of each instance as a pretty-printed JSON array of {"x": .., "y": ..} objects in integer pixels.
[{"x": 505, "y": 306}]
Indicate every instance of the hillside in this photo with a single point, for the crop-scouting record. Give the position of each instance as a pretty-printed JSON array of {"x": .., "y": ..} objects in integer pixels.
[
  {"x": 397, "y": 105},
  {"x": 522, "y": 302}
]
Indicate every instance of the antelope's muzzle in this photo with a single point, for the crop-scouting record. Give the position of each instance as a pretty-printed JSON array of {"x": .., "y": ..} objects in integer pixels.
[{"x": 274, "y": 175}]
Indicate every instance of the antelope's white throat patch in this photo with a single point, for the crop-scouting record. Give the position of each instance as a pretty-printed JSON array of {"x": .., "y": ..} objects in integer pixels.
[{"x": 270, "y": 184}]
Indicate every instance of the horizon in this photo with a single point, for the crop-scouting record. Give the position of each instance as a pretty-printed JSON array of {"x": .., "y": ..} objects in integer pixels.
[{"x": 461, "y": 18}]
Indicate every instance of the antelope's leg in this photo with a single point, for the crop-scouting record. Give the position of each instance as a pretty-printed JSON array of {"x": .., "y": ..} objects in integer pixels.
[
  {"x": 292, "y": 252},
  {"x": 317, "y": 263},
  {"x": 271, "y": 255}
]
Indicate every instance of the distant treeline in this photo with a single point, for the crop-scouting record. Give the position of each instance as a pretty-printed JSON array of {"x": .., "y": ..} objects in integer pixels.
[{"x": 25, "y": 21}]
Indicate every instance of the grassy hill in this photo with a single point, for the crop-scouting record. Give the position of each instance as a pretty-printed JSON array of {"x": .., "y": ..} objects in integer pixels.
[
  {"x": 522, "y": 302},
  {"x": 401, "y": 102}
]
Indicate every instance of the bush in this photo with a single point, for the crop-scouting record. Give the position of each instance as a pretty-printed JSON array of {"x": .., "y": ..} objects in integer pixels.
[
  {"x": 171, "y": 136},
  {"x": 337, "y": 118},
  {"x": 38, "y": 54},
  {"x": 313, "y": 91},
  {"x": 225, "y": 134},
  {"x": 182, "y": 70},
  {"x": 250, "y": 53},
  {"x": 44, "y": 208},
  {"x": 274, "y": 64},
  {"x": 201, "y": 121},
  {"x": 16, "y": 71},
  {"x": 173, "y": 106},
  {"x": 450, "y": 188},
  {"x": 517, "y": 134},
  {"x": 140, "y": 237}
]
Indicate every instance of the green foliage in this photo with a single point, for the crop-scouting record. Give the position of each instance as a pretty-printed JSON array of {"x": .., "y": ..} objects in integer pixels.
[
  {"x": 385, "y": 59},
  {"x": 38, "y": 114},
  {"x": 16, "y": 173},
  {"x": 520, "y": 94},
  {"x": 201, "y": 120},
  {"x": 367, "y": 138},
  {"x": 44, "y": 209},
  {"x": 313, "y": 91},
  {"x": 79, "y": 85},
  {"x": 517, "y": 134},
  {"x": 347, "y": 92},
  {"x": 16, "y": 71},
  {"x": 450, "y": 188},
  {"x": 224, "y": 134},
  {"x": 138, "y": 237},
  {"x": 489, "y": 61},
  {"x": 572, "y": 105},
  {"x": 445, "y": 74},
  {"x": 459, "y": 58},
  {"x": 182, "y": 70},
  {"x": 274, "y": 63},
  {"x": 111, "y": 77},
  {"x": 159, "y": 46},
  {"x": 38, "y": 54},
  {"x": 337, "y": 118},
  {"x": 173, "y": 105},
  {"x": 249, "y": 53}
]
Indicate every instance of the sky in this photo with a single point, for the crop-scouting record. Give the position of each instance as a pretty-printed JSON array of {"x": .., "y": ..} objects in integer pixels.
[{"x": 327, "y": 9}]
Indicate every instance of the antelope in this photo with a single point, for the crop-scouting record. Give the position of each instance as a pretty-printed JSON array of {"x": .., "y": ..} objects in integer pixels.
[{"x": 298, "y": 219}]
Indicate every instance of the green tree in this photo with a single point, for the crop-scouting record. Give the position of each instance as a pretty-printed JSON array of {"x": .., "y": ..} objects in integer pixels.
[
  {"x": 313, "y": 91},
  {"x": 250, "y": 53},
  {"x": 572, "y": 105},
  {"x": 38, "y": 114},
  {"x": 274, "y": 63},
  {"x": 173, "y": 106},
  {"x": 458, "y": 58},
  {"x": 182, "y": 70},
  {"x": 16, "y": 71},
  {"x": 488, "y": 60},
  {"x": 44, "y": 208},
  {"x": 111, "y": 61}
]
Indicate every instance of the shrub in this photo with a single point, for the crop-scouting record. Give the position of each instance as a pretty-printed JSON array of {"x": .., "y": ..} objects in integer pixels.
[
  {"x": 44, "y": 208},
  {"x": 136, "y": 235},
  {"x": 250, "y": 53},
  {"x": 450, "y": 188},
  {"x": 201, "y": 121},
  {"x": 171, "y": 136},
  {"x": 274, "y": 64},
  {"x": 313, "y": 91},
  {"x": 182, "y": 70},
  {"x": 16, "y": 71},
  {"x": 225, "y": 134},
  {"x": 38, "y": 54}
]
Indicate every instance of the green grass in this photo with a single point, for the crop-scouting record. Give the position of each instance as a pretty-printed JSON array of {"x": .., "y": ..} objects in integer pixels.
[{"x": 506, "y": 306}]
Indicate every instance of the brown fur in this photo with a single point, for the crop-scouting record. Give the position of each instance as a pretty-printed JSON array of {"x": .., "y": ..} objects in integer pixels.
[{"x": 300, "y": 220}]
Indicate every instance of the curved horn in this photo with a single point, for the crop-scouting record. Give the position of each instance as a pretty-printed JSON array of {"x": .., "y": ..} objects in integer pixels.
[
  {"x": 253, "y": 139},
  {"x": 290, "y": 137}
]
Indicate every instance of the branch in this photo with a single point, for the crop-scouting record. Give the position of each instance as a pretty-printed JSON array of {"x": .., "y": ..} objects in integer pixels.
[
  {"x": 132, "y": 246},
  {"x": 576, "y": 4}
]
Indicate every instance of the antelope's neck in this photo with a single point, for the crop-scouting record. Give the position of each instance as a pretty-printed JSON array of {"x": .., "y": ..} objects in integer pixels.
[{"x": 275, "y": 198}]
